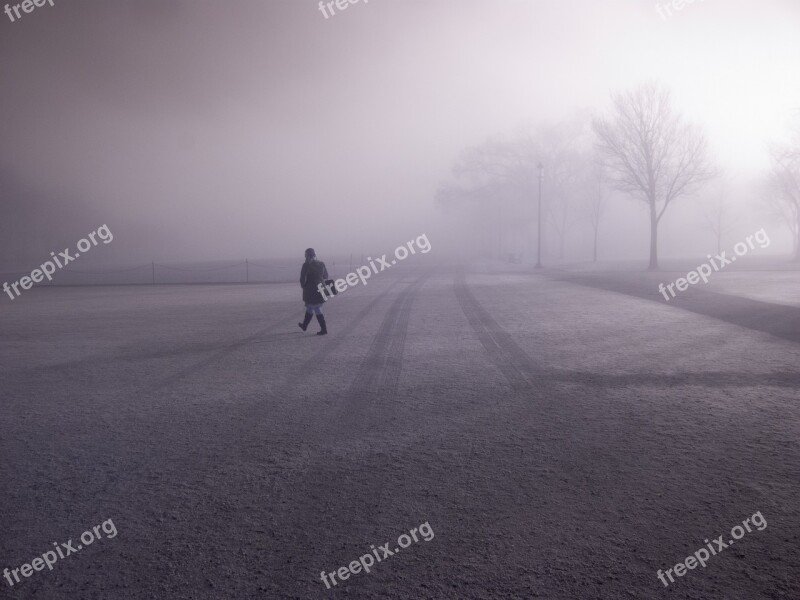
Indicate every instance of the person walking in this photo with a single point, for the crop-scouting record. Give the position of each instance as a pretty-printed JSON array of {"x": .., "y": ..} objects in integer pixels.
[{"x": 313, "y": 273}]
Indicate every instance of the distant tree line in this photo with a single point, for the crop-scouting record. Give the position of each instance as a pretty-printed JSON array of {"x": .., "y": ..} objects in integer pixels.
[{"x": 642, "y": 147}]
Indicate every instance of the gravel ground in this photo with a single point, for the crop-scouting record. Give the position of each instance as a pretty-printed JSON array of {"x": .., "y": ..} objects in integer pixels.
[{"x": 564, "y": 435}]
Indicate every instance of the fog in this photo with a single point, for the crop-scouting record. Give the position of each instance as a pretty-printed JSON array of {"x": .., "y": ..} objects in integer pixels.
[
  {"x": 204, "y": 130},
  {"x": 293, "y": 287}
]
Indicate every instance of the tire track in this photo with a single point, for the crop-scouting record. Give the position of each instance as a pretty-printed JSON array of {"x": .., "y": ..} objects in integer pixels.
[
  {"x": 379, "y": 374},
  {"x": 564, "y": 430},
  {"x": 204, "y": 447},
  {"x": 254, "y": 408},
  {"x": 336, "y": 471},
  {"x": 220, "y": 352},
  {"x": 517, "y": 367},
  {"x": 311, "y": 364}
]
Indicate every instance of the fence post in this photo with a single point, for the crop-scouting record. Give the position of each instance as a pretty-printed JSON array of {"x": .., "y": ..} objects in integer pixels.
[
  {"x": 154, "y": 272},
  {"x": 246, "y": 271}
]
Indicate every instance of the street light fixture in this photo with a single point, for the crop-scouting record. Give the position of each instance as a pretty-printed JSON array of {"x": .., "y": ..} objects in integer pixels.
[{"x": 540, "y": 166}]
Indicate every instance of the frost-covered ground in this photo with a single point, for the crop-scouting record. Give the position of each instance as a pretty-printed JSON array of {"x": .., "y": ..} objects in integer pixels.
[{"x": 564, "y": 434}]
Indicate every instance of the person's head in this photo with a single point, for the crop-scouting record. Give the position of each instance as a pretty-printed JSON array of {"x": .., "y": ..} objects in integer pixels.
[{"x": 310, "y": 254}]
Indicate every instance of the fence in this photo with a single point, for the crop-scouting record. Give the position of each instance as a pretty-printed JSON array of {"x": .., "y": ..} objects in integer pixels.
[{"x": 241, "y": 271}]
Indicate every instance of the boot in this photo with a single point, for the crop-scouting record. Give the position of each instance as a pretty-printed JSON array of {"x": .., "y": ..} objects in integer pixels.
[
  {"x": 324, "y": 330},
  {"x": 305, "y": 322}
]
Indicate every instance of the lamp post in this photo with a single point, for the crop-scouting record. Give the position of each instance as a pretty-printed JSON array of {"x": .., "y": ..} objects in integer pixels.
[{"x": 540, "y": 166}]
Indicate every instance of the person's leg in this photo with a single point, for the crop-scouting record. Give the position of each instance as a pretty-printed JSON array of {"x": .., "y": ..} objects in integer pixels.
[
  {"x": 311, "y": 309},
  {"x": 306, "y": 319},
  {"x": 321, "y": 320}
]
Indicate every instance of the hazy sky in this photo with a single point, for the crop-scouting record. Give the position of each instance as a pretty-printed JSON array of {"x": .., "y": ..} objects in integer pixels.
[{"x": 256, "y": 128}]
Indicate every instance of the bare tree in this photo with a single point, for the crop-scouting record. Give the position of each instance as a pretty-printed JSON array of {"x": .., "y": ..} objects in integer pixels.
[
  {"x": 652, "y": 153},
  {"x": 595, "y": 193},
  {"x": 782, "y": 196},
  {"x": 783, "y": 189},
  {"x": 501, "y": 174},
  {"x": 563, "y": 154},
  {"x": 717, "y": 215},
  {"x": 496, "y": 179}
]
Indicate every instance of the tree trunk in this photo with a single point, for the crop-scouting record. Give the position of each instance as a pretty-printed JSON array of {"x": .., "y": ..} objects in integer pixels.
[
  {"x": 594, "y": 254},
  {"x": 653, "y": 238},
  {"x": 796, "y": 246},
  {"x": 796, "y": 235}
]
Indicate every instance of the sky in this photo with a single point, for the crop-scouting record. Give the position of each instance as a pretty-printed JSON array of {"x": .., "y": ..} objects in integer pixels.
[{"x": 199, "y": 130}]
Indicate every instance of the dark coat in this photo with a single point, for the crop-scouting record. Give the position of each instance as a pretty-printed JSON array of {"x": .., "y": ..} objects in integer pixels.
[{"x": 312, "y": 274}]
